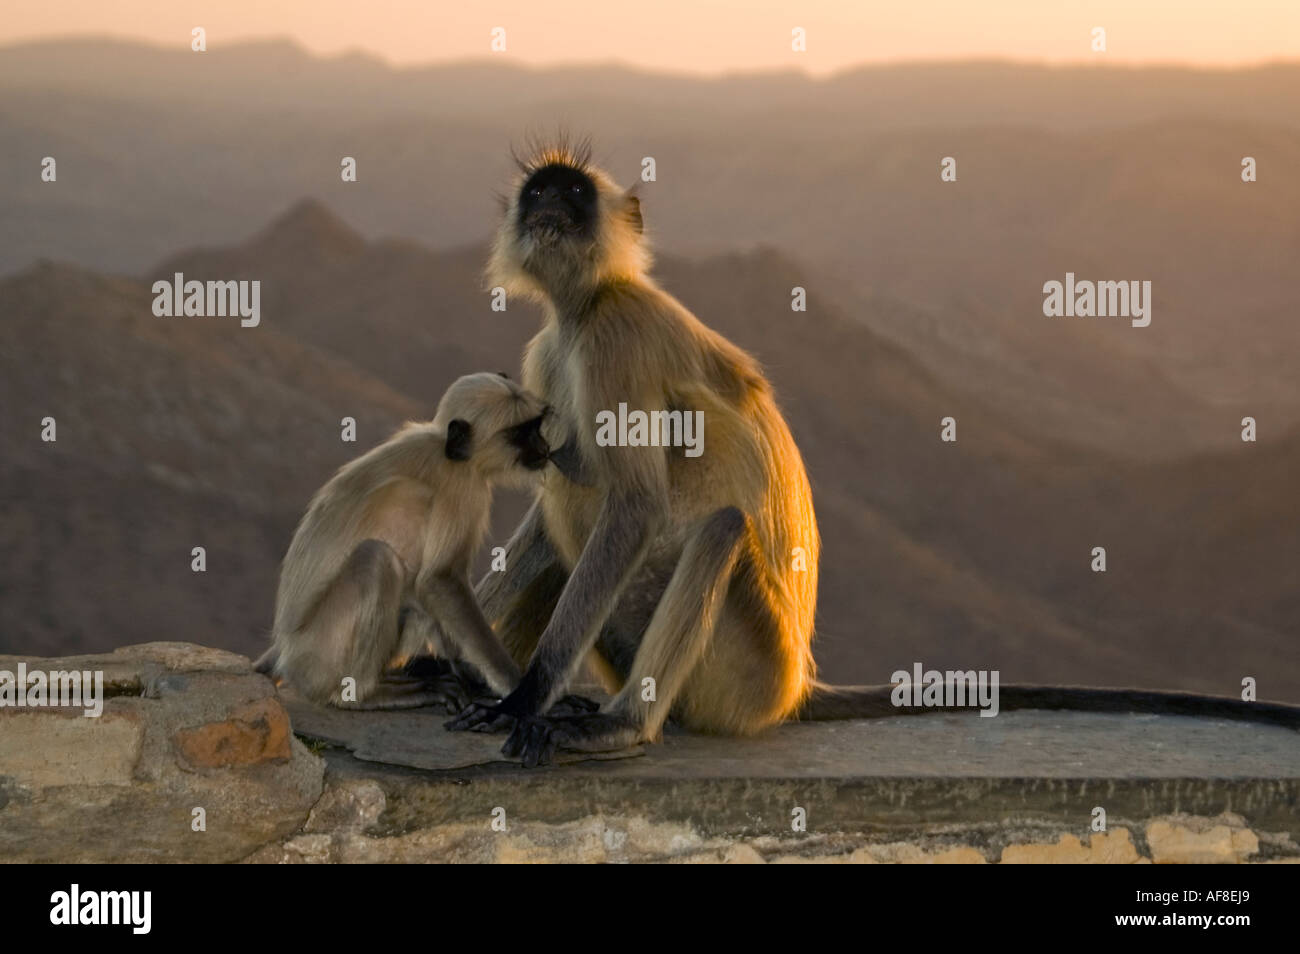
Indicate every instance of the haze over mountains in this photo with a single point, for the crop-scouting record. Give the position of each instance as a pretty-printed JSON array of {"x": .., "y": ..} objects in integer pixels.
[
  {"x": 925, "y": 301},
  {"x": 1125, "y": 174}
]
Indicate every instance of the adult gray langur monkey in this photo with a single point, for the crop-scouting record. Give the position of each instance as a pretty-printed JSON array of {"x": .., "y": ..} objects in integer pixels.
[
  {"x": 690, "y": 581},
  {"x": 378, "y": 569},
  {"x": 693, "y": 578}
]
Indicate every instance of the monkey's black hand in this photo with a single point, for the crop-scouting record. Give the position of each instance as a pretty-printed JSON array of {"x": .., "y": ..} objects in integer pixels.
[
  {"x": 573, "y": 705},
  {"x": 535, "y": 740},
  {"x": 481, "y": 717},
  {"x": 568, "y": 461}
]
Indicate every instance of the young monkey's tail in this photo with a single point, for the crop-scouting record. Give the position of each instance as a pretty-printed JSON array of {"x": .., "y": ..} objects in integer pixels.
[{"x": 832, "y": 703}]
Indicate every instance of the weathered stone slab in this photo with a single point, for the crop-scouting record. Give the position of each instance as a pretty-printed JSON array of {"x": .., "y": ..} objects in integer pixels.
[
  {"x": 41, "y": 748},
  {"x": 413, "y": 738},
  {"x": 182, "y": 728},
  {"x": 1019, "y": 771},
  {"x": 1017, "y": 744}
]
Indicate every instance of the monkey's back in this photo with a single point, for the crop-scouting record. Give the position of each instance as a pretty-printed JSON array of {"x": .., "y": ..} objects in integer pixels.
[
  {"x": 388, "y": 494},
  {"x": 335, "y": 523}
]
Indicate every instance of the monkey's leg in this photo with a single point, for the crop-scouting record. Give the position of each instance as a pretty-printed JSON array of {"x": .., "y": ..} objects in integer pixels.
[
  {"x": 353, "y": 633},
  {"x": 621, "y": 636},
  {"x": 678, "y": 634},
  {"x": 351, "y": 630},
  {"x": 426, "y": 653},
  {"x": 424, "y": 671},
  {"x": 520, "y": 599},
  {"x": 447, "y": 598}
]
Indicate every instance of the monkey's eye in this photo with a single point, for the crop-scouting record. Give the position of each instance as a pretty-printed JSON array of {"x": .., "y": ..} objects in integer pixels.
[
  {"x": 535, "y": 191},
  {"x": 576, "y": 188}
]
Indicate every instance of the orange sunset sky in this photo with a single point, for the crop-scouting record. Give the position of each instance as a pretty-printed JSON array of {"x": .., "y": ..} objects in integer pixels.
[{"x": 704, "y": 36}]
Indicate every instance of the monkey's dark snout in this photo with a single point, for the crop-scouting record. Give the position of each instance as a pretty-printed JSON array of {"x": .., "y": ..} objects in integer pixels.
[
  {"x": 554, "y": 216},
  {"x": 534, "y": 451},
  {"x": 551, "y": 212}
]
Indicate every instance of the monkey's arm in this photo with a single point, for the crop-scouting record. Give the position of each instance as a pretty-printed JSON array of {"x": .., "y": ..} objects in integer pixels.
[
  {"x": 528, "y": 553},
  {"x": 620, "y": 538},
  {"x": 447, "y": 598},
  {"x": 627, "y": 523},
  {"x": 568, "y": 461},
  {"x": 634, "y": 510}
]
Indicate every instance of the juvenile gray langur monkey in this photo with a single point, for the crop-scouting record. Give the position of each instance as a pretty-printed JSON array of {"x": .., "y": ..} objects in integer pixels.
[
  {"x": 694, "y": 579},
  {"x": 378, "y": 570}
]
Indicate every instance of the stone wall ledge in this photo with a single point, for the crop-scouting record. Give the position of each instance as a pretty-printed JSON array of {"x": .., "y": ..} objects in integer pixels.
[{"x": 188, "y": 727}]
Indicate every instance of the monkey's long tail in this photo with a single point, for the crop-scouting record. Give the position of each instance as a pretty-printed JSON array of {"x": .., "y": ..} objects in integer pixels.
[{"x": 829, "y": 703}]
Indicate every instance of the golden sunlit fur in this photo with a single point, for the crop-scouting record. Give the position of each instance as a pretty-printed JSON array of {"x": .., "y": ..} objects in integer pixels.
[
  {"x": 698, "y": 573},
  {"x": 395, "y": 530}
]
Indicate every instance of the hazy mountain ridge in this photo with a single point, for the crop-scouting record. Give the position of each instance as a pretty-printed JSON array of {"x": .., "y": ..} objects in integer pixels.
[
  {"x": 1113, "y": 174},
  {"x": 966, "y": 554},
  {"x": 269, "y": 73},
  {"x": 326, "y": 284},
  {"x": 126, "y": 386}
]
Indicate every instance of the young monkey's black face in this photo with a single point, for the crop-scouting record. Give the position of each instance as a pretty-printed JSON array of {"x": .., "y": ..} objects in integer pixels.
[
  {"x": 557, "y": 202},
  {"x": 500, "y": 428},
  {"x": 534, "y": 451}
]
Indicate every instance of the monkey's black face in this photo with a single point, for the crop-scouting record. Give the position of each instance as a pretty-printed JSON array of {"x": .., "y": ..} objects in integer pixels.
[
  {"x": 557, "y": 202},
  {"x": 534, "y": 451}
]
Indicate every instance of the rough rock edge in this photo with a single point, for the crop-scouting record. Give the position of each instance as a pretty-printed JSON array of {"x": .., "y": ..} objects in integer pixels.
[
  {"x": 344, "y": 823},
  {"x": 344, "y": 827}
]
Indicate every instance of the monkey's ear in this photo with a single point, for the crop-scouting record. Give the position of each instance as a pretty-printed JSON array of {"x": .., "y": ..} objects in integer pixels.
[
  {"x": 458, "y": 437},
  {"x": 632, "y": 209}
]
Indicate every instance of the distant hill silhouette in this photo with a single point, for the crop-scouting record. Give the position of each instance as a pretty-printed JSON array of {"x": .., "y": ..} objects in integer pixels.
[
  {"x": 175, "y": 433},
  {"x": 172, "y": 434},
  {"x": 1126, "y": 173}
]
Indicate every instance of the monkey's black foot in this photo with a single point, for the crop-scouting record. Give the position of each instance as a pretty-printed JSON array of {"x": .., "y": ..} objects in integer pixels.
[
  {"x": 481, "y": 717},
  {"x": 396, "y": 691},
  {"x": 454, "y": 684},
  {"x": 453, "y": 695},
  {"x": 573, "y": 705},
  {"x": 535, "y": 739}
]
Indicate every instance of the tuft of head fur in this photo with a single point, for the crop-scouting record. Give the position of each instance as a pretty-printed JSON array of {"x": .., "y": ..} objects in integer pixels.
[
  {"x": 559, "y": 150},
  {"x": 616, "y": 250}
]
